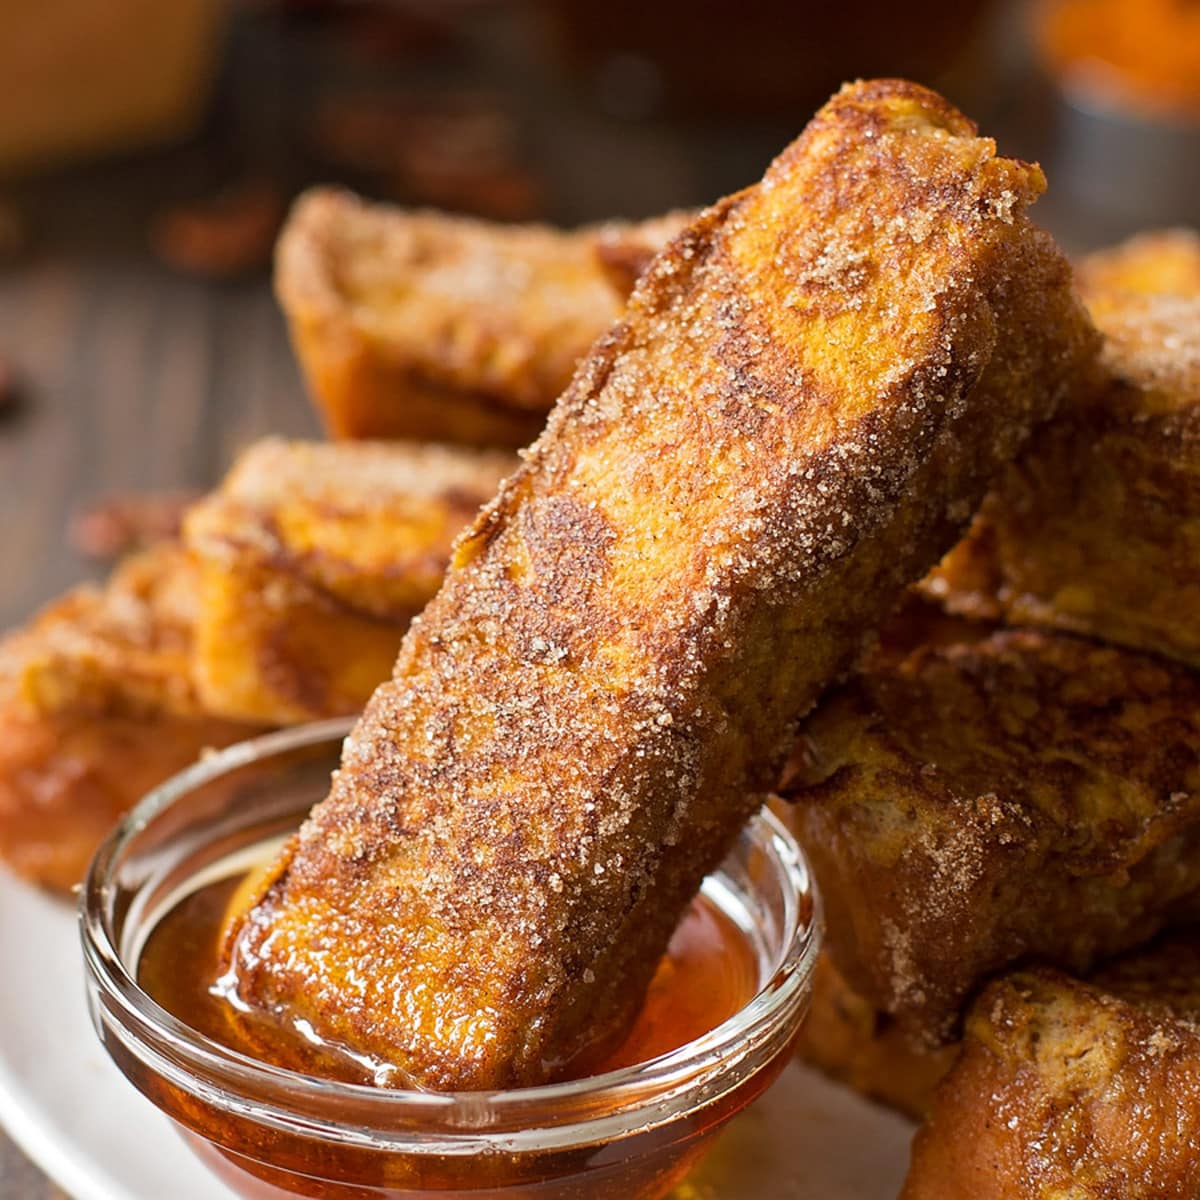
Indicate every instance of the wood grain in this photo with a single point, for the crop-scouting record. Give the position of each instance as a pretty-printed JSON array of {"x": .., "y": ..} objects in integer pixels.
[{"x": 130, "y": 382}]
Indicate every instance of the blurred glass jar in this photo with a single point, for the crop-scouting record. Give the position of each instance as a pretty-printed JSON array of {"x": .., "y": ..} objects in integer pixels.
[
  {"x": 1140, "y": 56},
  {"x": 757, "y": 56},
  {"x": 1126, "y": 75},
  {"x": 81, "y": 78}
]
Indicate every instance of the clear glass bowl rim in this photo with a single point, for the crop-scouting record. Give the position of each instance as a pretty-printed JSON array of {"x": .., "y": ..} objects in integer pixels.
[{"x": 558, "y": 1115}]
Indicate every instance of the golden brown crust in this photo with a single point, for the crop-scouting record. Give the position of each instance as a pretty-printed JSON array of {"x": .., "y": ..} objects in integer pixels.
[
  {"x": 121, "y": 648},
  {"x": 1086, "y": 1091},
  {"x": 425, "y": 326},
  {"x": 313, "y": 558},
  {"x": 972, "y": 804},
  {"x": 1096, "y": 528},
  {"x": 96, "y": 707},
  {"x": 802, "y": 406}
]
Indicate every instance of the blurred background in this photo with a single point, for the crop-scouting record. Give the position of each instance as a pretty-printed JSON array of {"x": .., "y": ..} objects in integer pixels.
[{"x": 149, "y": 151}]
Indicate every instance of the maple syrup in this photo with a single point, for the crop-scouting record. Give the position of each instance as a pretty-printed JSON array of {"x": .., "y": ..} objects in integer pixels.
[
  {"x": 707, "y": 975},
  {"x": 155, "y": 902}
]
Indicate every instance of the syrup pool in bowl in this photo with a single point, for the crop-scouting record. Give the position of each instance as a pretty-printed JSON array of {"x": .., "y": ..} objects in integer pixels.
[
  {"x": 716, "y": 1029},
  {"x": 707, "y": 975}
]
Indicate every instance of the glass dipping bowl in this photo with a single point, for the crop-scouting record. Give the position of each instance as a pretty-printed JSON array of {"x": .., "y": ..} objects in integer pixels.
[{"x": 630, "y": 1134}]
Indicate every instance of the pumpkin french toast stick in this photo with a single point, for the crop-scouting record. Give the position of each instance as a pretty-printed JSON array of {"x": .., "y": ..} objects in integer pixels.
[
  {"x": 424, "y": 326},
  {"x": 970, "y": 805},
  {"x": 1066, "y": 1088},
  {"x": 799, "y": 410},
  {"x": 313, "y": 558},
  {"x": 97, "y": 707},
  {"x": 1096, "y": 527},
  {"x": 299, "y": 578}
]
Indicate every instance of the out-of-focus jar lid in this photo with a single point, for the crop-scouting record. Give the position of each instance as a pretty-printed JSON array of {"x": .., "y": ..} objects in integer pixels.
[
  {"x": 1139, "y": 56},
  {"x": 1126, "y": 149}
]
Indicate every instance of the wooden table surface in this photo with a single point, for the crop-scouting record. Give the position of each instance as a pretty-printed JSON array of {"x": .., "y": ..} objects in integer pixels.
[{"x": 136, "y": 378}]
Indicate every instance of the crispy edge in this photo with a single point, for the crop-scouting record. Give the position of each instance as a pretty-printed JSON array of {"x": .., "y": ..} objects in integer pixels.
[
  {"x": 313, "y": 559},
  {"x": 96, "y": 708},
  {"x": 625, "y": 250}
]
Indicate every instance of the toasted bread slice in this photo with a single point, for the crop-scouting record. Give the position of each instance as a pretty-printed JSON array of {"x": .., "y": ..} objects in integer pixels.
[
  {"x": 973, "y": 804},
  {"x": 97, "y": 707},
  {"x": 1096, "y": 528},
  {"x": 424, "y": 326},
  {"x": 801, "y": 407},
  {"x": 1088, "y": 1090},
  {"x": 313, "y": 559}
]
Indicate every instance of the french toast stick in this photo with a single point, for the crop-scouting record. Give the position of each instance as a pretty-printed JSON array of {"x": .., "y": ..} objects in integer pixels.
[
  {"x": 425, "y": 326},
  {"x": 97, "y": 707},
  {"x": 313, "y": 558},
  {"x": 971, "y": 805},
  {"x": 801, "y": 407},
  {"x": 1080, "y": 1090},
  {"x": 1095, "y": 528},
  {"x": 289, "y": 602}
]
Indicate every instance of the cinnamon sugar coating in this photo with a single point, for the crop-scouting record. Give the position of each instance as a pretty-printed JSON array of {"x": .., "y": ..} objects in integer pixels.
[
  {"x": 973, "y": 804},
  {"x": 313, "y": 558},
  {"x": 425, "y": 326},
  {"x": 802, "y": 406},
  {"x": 1064, "y": 1088},
  {"x": 1096, "y": 527},
  {"x": 97, "y": 707}
]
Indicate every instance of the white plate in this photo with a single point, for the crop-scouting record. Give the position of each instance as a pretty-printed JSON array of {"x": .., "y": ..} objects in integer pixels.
[{"x": 77, "y": 1118}]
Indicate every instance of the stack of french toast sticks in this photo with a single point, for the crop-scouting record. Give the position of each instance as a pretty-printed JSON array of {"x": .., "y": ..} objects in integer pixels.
[{"x": 999, "y": 795}]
